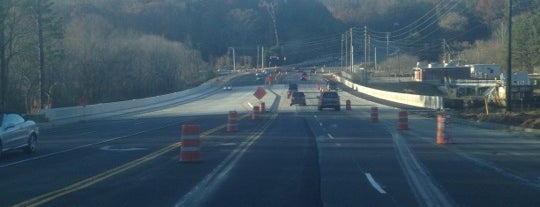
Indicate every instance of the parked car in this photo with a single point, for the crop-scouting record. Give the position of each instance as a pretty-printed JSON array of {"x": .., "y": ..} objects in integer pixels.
[
  {"x": 17, "y": 133},
  {"x": 329, "y": 99},
  {"x": 298, "y": 98}
]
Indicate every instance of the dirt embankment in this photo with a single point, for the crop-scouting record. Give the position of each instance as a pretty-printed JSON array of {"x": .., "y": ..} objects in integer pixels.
[{"x": 527, "y": 118}]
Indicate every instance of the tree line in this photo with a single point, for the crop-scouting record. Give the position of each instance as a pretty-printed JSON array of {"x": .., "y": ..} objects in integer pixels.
[{"x": 54, "y": 53}]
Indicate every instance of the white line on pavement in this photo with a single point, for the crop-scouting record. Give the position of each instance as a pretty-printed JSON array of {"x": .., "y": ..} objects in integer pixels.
[{"x": 375, "y": 184}]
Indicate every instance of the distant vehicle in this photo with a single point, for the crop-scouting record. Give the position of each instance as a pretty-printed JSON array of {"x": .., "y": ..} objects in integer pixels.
[
  {"x": 329, "y": 99},
  {"x": 298, "y": 98},
  {"x": 17, "y": 133},
  {"x": 331, "y": 86},
  {"x": 292, "y": 88},
  {"x": 227, "y": 88},
  {"x": 259, "y": 76}
]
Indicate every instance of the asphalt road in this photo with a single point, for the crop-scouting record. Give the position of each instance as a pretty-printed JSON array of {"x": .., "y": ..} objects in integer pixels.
[{"x": 290, "y": 156}]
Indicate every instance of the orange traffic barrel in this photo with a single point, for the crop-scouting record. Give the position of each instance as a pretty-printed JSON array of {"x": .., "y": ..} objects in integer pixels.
[
  {"x": 262, "y": 108},
  {"x": 403, "y": 120},
  {"x": 374, "y": 114},
  {"x": 348, "y": 104},
  {"x": 232, "y": 122},
  {"x": 255, "y": 113},
  {"x": 443, "y": 127},
  {"x": 190, "y": 149}
]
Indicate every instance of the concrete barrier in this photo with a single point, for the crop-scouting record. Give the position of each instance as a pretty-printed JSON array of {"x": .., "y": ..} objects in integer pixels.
[
  {"x": 120, "y": 107},
  {"x": 432, "y": 102}
]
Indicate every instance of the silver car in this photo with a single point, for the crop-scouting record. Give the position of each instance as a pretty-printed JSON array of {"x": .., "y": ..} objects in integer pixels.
[{"x": 17, "y": 133}]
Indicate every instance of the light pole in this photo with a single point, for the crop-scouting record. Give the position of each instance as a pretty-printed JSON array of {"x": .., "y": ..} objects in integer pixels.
[
  {"x": 233, "y": 59},
  {"x": 509, "y": 60}
]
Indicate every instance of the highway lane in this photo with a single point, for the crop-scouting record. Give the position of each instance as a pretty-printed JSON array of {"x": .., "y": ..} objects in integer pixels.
[
  {"x": 482, "y": 166},
  {"x": 56, "y": 179},
  {"x": 276, "y": 170},
  {"x": 293, "y": 156},
  {"x": 72, "y": 152}
]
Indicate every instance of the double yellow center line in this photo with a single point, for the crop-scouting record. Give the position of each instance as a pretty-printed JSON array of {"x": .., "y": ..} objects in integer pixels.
[{"x": 44, "y": 198}]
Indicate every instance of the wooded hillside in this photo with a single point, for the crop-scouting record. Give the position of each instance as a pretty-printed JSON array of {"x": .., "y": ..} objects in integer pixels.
[{"x": 56, "y": 52}]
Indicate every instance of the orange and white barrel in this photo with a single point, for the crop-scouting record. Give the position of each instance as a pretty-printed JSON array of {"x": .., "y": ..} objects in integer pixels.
[
  {"x": 255, "y": 113},
  {"x": 191, "y": 144},
  {"x": 232, "y": 122},
  {"x": 262, "y": 107},
  {"x": 403, "y": 120},
  {"x": 348, "y": 104},
  {"x": 443, "y": 129},
  {"x": 374, "y": 114}
]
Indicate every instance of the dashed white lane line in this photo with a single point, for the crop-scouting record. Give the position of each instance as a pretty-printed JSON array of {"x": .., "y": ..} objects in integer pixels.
[{"x": 375, "y": 184}]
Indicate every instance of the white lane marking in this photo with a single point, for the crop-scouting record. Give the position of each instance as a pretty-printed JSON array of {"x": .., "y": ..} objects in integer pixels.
[
  {"x": 228, "y": 144},
  {"x": 110, "y": 148},
  {"x": 375, "y": 184},
  {"x": 197, "y": 195},
  {"x": 331, "y": 137},
  {"x": 85, "y": 146}
]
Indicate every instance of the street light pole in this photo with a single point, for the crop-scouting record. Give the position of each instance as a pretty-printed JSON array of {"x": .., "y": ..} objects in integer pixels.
[
  {"x": 509, "y": 60},
  {"x": 233, "y": 60}
]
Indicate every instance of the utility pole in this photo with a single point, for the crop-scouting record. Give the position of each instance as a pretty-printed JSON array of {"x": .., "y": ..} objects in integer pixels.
[
  {"x": 346, "y": 63},
  {"x": 352, "y": 50},
  {"x": 387, "y": 45},
  {"x": 399, "y": 66},
  {"x": 257, "y": 57},
  {"x": 375, "y": 63},
  {"x": 341, "y": 53},
  {"x": 509, "y": 61},
  {"x": 365, "y": 46},
  {"x": 369, "y": 51},
  {"x": 262, "y": 57},
  {"x": 233, "y": 59}
]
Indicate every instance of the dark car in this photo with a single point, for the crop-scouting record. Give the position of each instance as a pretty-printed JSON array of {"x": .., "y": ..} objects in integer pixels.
[
  {"x": 329, "y": 99},
  {"x": 298, "y": 98},
  {"x": 17, "y": 133},
  {"x": 331, "y": 86},
  {"x": 292, "y": 88}
]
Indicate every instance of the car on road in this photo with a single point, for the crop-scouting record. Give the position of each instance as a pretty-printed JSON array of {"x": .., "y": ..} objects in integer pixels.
[
  {"x": 331, "y": 86},
  {"x": 227, "y": 87},
  {"x": 17, "y": 133},
  {"x": 259, "y": 76},
  {"x": 292, "y": 88},
  {"x": 329, "y": 99},
  {"x": 298, "y": 98}
]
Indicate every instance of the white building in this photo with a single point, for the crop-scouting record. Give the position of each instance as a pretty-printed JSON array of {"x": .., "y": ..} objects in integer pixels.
[{"x": 485, "y": 71}]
